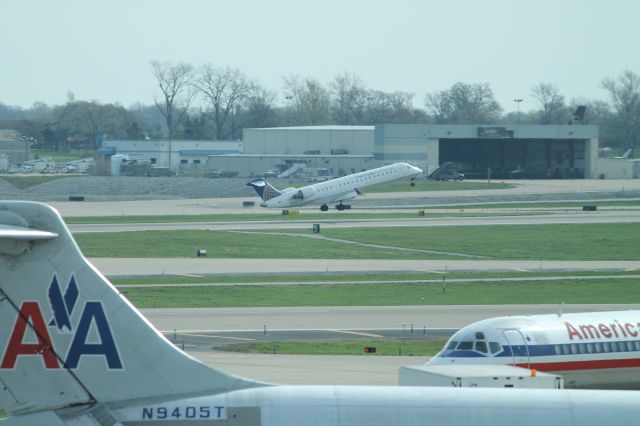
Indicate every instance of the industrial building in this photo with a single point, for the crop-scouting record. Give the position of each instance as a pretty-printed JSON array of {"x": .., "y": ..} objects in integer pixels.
[
  {"x": 13, "y": 150},
  {"x": 495, "y": 151},
  {"x": 175, "y": 155},
  {"x": 514, "y": 151},
  {"x": 312, "y": 151}
]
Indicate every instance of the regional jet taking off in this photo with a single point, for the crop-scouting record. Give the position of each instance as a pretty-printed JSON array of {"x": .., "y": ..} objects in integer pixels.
[
  {"x": 332, "y": 191},
  {"x": 74, "y": 351},
  {"x": 598, "y": 350}
]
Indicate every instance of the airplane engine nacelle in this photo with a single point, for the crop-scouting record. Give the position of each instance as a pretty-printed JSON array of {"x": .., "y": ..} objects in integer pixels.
[{"x": 305, "y": 193}]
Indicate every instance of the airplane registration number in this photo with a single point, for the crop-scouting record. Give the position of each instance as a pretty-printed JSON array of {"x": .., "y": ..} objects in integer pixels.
[{"x": 184, "y": 412}]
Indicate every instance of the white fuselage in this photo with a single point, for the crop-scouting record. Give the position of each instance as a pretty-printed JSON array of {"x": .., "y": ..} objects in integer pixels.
[
  {"x": 373, "y": 406},
  {"x": 590, "y": 350},
  {"x": 342, "y": 188}
]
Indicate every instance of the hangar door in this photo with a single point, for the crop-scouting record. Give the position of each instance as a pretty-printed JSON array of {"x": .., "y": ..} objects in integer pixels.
[{"x": 510, "y": 158}]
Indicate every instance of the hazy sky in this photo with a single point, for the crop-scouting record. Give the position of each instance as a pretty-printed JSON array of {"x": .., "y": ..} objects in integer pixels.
[{"x": 101, "y": 49}]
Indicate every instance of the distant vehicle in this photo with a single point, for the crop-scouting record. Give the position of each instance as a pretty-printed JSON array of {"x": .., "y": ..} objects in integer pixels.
[
  {"x": 221, "y": 173},
  {"x": 74, "y": 351},
  {"x": 271, "y": 173},
  {"x": 452, "y": 175},
  {"x": 332, "y": 191},
  {"x": 447, "y": 171}
]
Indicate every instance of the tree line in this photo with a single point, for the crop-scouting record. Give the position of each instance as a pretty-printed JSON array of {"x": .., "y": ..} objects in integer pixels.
[{"x": 215, "y": 103}]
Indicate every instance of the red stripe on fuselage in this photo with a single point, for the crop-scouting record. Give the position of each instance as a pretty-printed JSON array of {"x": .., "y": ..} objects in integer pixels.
[{"x": 583, "y": 365}]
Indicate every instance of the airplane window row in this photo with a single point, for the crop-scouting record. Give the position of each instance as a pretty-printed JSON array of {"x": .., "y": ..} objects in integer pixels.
[{"x": 598, "y": 347}]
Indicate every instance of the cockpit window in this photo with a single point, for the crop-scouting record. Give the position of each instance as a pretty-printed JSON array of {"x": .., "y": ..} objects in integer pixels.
[
  {"x": 452, "y": 345},
  {"x": 479, "y": 335},
  {"x": 465, "y": 346},
  {"x": 494, "y": 347},
  {"x": 481, "y": 347}
]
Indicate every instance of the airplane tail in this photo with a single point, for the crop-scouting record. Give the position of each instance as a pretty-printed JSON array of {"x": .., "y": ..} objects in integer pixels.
[
  {"x": 578, "y": 116},
  {"x": 68, "y": 338},
  {"x": 263, "y": 188}
]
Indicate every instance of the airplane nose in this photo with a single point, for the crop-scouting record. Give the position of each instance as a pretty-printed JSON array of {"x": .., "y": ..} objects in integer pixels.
[{"x": 263, "y": 204}]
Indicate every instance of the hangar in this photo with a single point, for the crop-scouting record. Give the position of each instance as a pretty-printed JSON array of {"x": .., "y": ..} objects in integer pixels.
[
  {"x": 498, "y": 151},
  {"x": 495, "y": 151}
]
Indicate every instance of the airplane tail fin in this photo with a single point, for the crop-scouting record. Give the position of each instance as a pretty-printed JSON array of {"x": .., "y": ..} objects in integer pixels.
[
  {"x": 263, "y": 188},
  {"x": 68, "y": 337},
  {"x": 578, "y": 116}
]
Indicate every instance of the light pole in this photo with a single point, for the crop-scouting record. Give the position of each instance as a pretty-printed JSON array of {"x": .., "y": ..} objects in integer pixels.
[{"x": 517, "y": 101}]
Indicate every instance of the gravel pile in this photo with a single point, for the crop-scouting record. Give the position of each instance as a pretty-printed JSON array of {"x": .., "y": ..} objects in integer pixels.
[{"x": 129, "y": 188}]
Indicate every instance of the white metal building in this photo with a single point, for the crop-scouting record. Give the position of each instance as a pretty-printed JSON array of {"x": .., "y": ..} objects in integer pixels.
[
  {"x": 309, "y": 140},
  {"x": 331, "y": 150},
  {"x": 175, "y": 155},
  {"x": 15, "y": 151}
]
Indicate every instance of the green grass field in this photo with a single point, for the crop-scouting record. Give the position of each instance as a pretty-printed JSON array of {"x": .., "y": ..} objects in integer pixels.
[
  {"x": 428, "y": 185},
  {"x": 413, "y": 347},
  {"x": 543, "y": 205},
  {"x": 531, "y": 292},
  {"x": 548, "y": 242},
  {"x": 362, "y": 278},
  {"x": 303, "y": 216},
  {"x": 535, "y": 242},
  {"x": 308, "y": 216}
]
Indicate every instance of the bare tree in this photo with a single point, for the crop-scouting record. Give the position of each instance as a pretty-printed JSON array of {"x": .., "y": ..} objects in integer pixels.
[
  {"x": 310, "y": 101},
  {"x": 174, "y": 80},
  {"x": 553, "y": 109},
  {"x": 259, "y": 109},
  {"x": 348, "y": 101},
  {"x": 625, "y": 97},
  {"x": 225, "y": 89},
  {"x": 464, "y": 104}
]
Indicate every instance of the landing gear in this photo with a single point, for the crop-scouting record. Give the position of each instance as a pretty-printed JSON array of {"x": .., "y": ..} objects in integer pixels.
[
  {"x": 324, "y": 207},
  {"x": 341, "y": 206},
  {"x": 413, "y": 183}
]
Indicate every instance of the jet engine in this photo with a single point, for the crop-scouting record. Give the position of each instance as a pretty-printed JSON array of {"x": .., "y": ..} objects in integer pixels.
[{"x": 304, "y": 193}]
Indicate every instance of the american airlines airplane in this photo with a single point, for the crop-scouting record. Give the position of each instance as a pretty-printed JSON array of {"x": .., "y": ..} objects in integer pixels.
[
  {"x": 332, "y": 191},
  {"x": 75, "y": 352},
  {"x": 598, "y": 350}
]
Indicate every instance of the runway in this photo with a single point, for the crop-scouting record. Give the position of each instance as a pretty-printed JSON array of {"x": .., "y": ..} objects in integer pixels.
[
  {"x": 347, "y": 317},
  {"x": 310, "y": 369},
  {"x": 586, "y": 187},
  {"x": 613, "y": 216},
  {"x": 323, "y": 370},
  {"x": 207, "y": 327},
  {"x": 132, "y": 267}
]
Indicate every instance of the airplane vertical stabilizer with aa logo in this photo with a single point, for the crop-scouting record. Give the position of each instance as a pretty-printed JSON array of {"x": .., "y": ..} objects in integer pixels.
[{"x": 68, "y": 337}]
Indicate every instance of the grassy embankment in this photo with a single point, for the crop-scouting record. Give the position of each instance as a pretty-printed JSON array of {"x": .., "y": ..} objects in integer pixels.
[
  {"x": 539, "y": 242},
  {"x": 413, "y": 347},
  {"x": 532, "y": 242}
]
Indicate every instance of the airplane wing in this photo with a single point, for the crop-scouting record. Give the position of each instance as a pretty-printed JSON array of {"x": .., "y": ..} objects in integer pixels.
[{"x": 341, "y": 197}]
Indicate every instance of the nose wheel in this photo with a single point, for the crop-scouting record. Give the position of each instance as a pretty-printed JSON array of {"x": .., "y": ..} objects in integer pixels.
[
  {"x": 324, "y": 207},
  {"x": 413, "y": 183}
]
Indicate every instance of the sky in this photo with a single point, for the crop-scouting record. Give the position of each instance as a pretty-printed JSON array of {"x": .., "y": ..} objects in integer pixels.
[{"x": 101, "y": 49}]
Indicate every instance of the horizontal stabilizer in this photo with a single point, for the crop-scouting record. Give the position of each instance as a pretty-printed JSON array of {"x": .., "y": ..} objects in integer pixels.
[
  {"x": 15, "y": 240},
  {"x": 24, "y": 234}
]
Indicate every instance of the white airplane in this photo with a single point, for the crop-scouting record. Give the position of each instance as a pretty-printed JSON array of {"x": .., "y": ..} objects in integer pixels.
[
  {"x": 332, "y": 191},
  {"x": 599, "y": 350},
  {"x": 75, "y": 352}
]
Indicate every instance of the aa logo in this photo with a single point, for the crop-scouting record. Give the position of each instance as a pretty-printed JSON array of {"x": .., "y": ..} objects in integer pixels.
[{"x": 90, "y": 335}]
